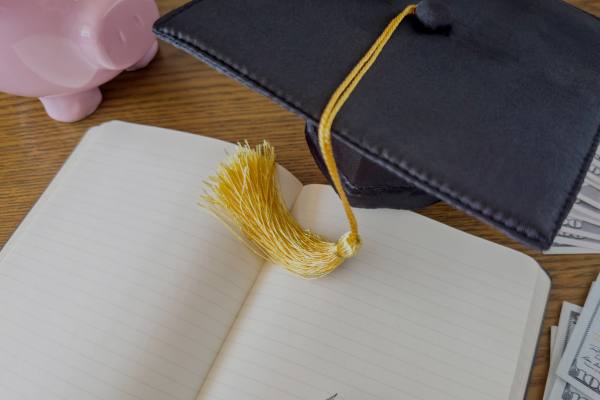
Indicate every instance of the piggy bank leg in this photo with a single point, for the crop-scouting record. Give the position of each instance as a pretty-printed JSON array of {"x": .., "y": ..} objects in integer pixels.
[
  {"x": 73, "y": 106},
  {"x": 145, "y": 60}
]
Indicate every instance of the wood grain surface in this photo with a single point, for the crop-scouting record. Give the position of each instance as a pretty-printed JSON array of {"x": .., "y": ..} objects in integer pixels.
[{"x": 176, "y": 91}]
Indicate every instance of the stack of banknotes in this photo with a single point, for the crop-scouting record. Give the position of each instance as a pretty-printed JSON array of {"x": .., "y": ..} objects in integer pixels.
[
  {"x": 580, "y": 232},
  {"x": 574, "y": 372}
]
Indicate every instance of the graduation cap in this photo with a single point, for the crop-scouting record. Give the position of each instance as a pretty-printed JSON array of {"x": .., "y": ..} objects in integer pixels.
[{"x": 492, "y": 106}]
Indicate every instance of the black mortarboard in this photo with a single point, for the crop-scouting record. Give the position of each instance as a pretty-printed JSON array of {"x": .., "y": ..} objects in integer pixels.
[{"x": 490, "y": 105}]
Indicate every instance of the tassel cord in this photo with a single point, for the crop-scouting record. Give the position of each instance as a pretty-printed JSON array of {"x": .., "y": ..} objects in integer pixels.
[{"x": 351, "y": 241}]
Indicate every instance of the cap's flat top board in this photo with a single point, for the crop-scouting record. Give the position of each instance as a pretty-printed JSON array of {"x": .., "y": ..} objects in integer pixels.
[{"x": 499, "y": 117}]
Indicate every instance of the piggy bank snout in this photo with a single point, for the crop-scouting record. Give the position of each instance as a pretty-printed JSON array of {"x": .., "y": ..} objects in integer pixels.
[{"x": 119, "y": 35}]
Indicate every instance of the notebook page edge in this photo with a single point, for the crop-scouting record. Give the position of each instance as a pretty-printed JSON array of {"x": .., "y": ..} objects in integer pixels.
[{"x": 534, "y": 330}]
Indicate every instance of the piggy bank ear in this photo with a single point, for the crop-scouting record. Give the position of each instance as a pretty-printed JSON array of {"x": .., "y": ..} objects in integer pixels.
[{"x": 116, "y": 34}]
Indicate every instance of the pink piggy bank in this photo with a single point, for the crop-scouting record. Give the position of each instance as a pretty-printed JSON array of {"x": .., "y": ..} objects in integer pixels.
[{"x": 62, "y": 50}]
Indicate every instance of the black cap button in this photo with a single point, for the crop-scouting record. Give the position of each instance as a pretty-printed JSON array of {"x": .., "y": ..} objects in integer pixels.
[{"x": 435, "y": 15}]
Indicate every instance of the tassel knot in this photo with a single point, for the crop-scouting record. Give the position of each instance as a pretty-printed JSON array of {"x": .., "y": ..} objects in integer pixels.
[{"x": 348, "y": 245}]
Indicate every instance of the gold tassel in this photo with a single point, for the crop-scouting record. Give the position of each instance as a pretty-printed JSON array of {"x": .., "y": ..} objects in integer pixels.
[{"x": 245, "y": 195}]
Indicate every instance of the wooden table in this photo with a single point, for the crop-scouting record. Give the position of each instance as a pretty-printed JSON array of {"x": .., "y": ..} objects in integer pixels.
[{"x": 176, "y": 91}]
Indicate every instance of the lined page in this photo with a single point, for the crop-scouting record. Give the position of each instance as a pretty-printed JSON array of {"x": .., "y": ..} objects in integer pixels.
[
  {"x": 117, "y": 286},
  {"x": 423, "y": 312}
]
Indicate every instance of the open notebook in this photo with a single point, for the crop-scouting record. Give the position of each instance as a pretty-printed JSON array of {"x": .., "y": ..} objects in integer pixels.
[{"x": 117, "y": 286}]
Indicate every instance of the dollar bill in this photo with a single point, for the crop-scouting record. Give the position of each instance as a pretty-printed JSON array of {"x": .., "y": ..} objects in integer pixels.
[
  {"x": 571, "y": 239},
  {"x": 569, "y": 249},
  {"x": 552, "y": 343},
  {"x": 592, "y": 178},
  {"x": 567, "y": 392},
  {"x": 580, "y": 232},
  {"x": 569, "y": 314},
  {"x": 590, "y": 194},
  {"x": 553, "y": 329},
  {"x": 585, "y": 211},
  {"x": 559, "y": 389},
  {"x": 582, "y": 229},
  {"x": 579, "y": 366},
  {"x": 593, "y": 174}
]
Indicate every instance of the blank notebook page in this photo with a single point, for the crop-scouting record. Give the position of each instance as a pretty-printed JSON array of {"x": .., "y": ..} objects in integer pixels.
[
  {"x": 117, "y": 286},
  {"x": 423, "y": 312}
]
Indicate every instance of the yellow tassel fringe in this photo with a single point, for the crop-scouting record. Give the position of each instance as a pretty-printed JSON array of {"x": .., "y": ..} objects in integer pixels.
[{"x": 245, "y": 194}]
